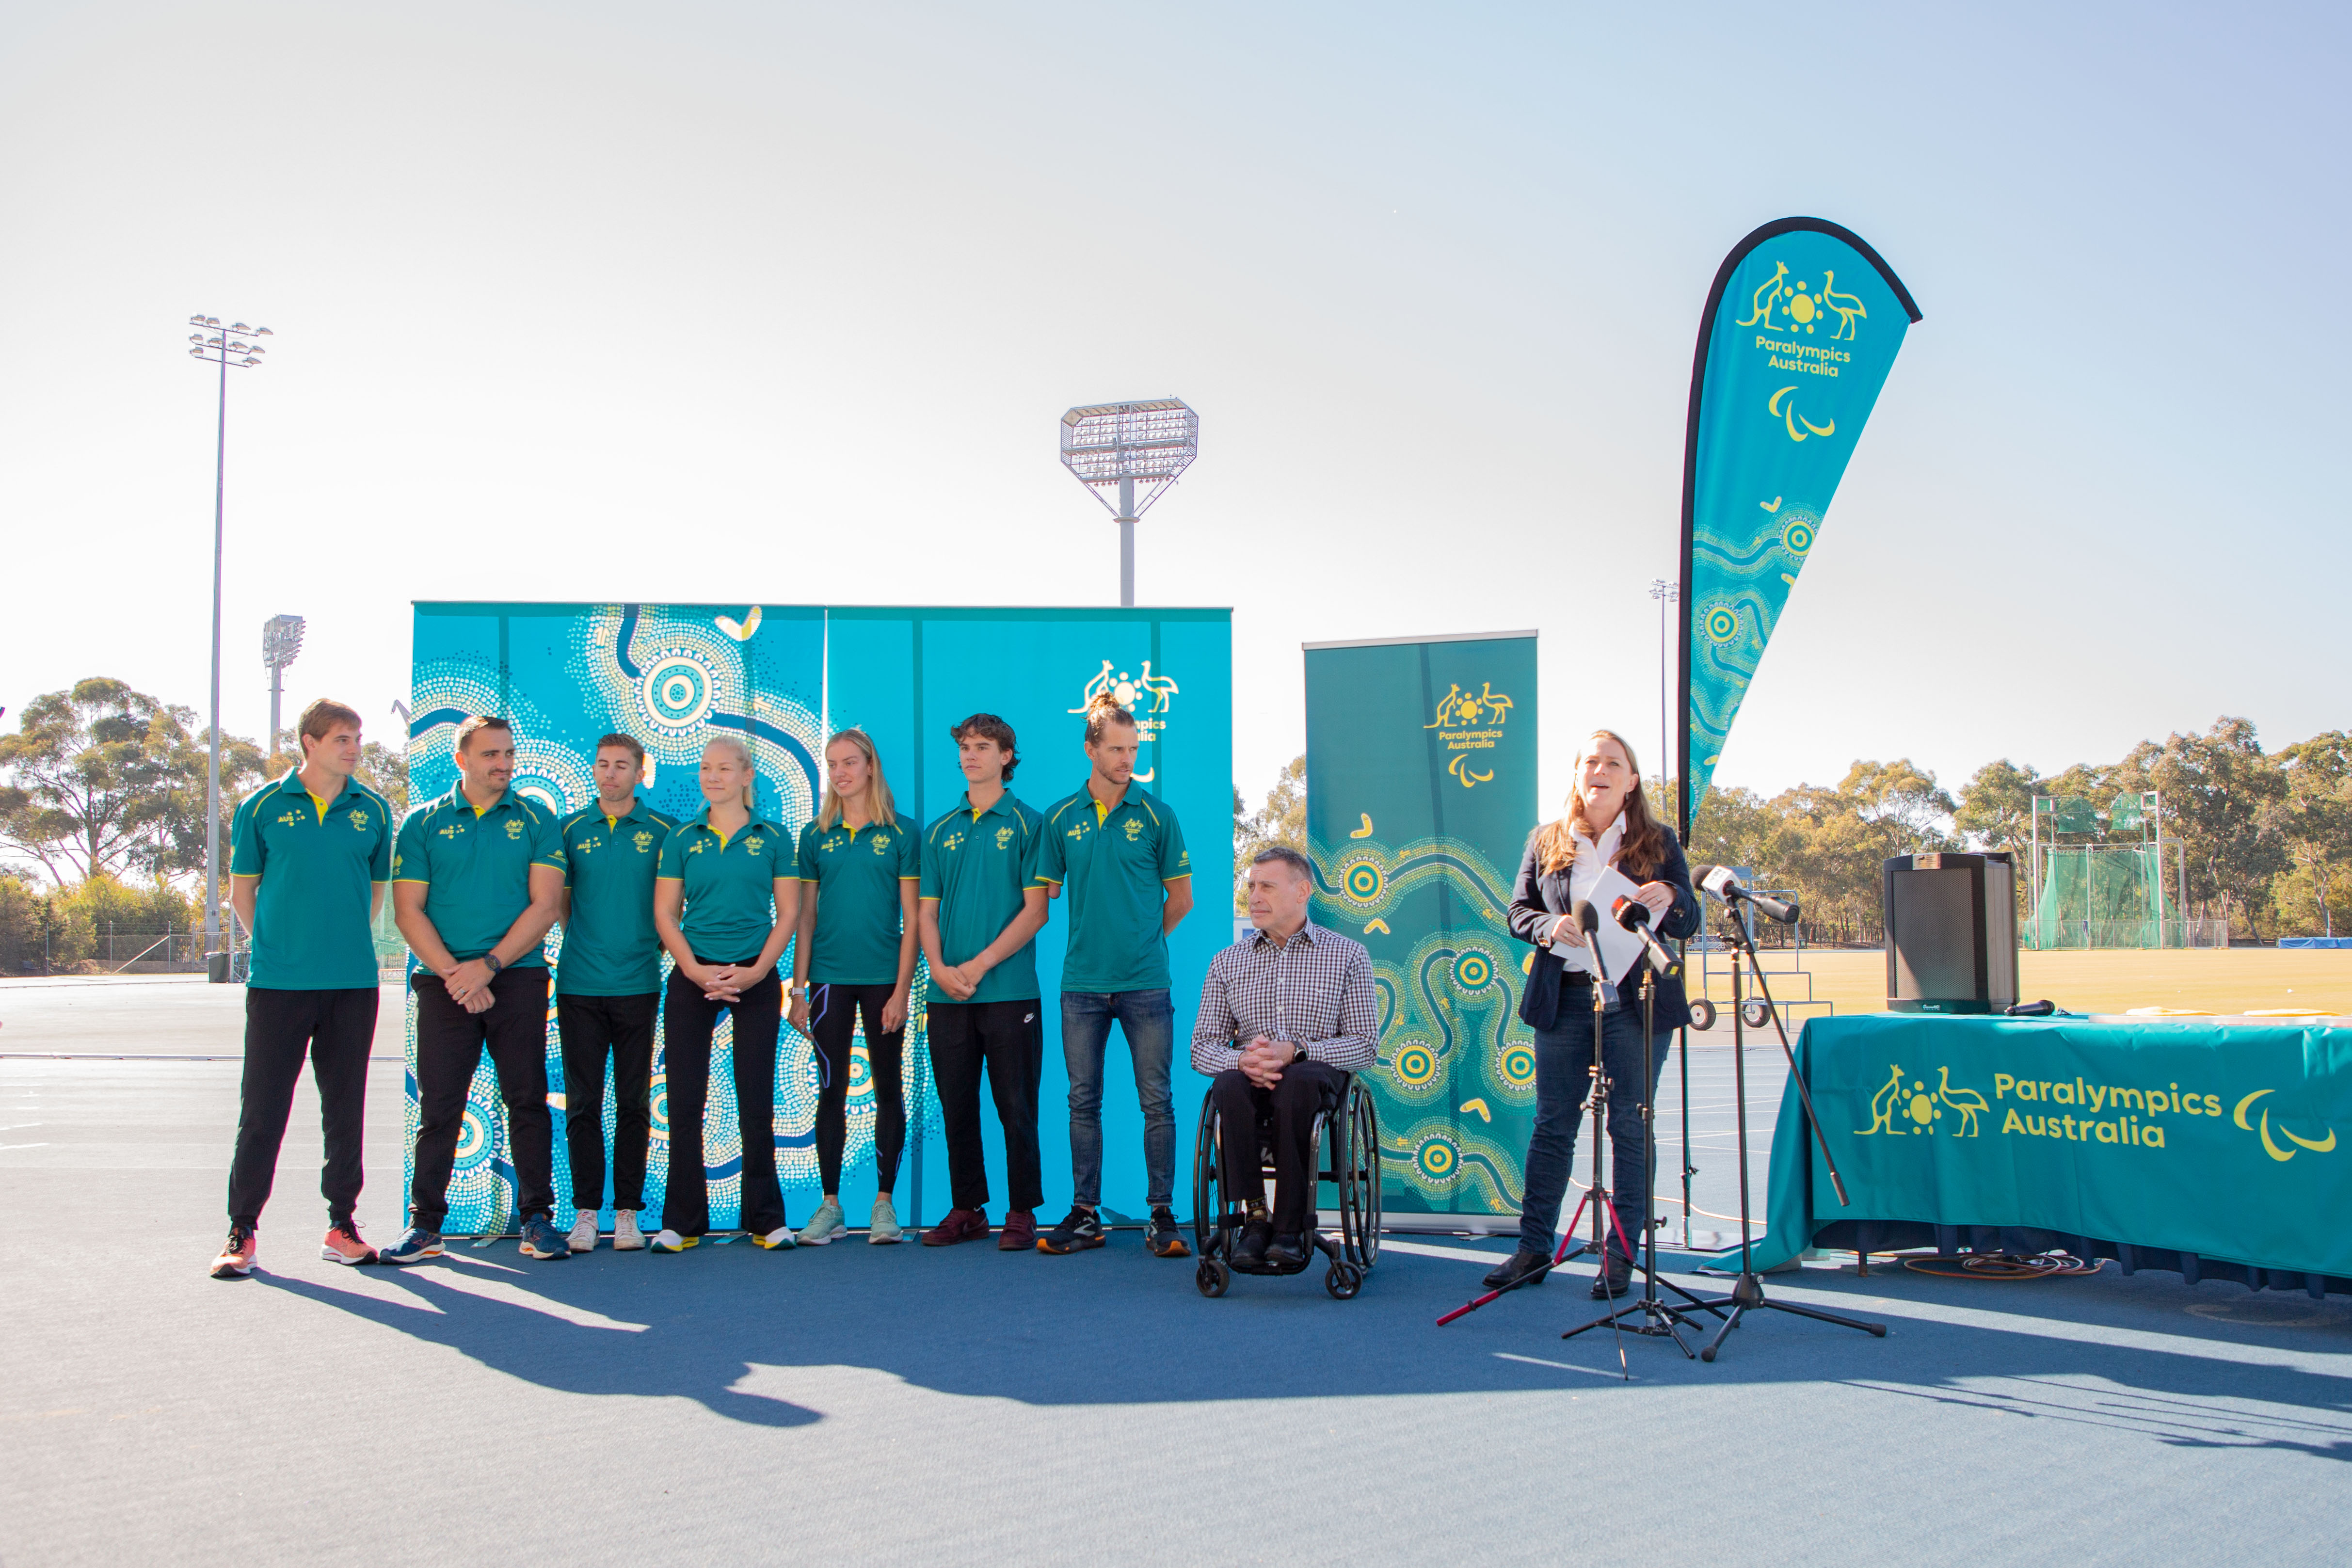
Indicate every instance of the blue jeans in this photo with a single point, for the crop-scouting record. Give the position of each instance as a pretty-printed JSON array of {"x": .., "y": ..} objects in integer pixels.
[
  {"x": 1563, "y": 1056},
  {"x": 1149, "y": 1020}
]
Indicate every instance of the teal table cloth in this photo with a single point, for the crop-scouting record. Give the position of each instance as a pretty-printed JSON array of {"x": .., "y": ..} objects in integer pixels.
[{"x": 2168, "y": 1141}]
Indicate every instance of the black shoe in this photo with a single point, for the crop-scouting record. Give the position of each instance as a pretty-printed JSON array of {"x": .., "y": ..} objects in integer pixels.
[
  {"x": 1519, "y": 1269},
  {"x": 1287, "y": 1252},
  {"x": 1615, "y": 1278},
  {"x": 1081, "y": 1230},
  {"x": 1163, "y": 1239},
  {"x": 1249, "y": 1252}
]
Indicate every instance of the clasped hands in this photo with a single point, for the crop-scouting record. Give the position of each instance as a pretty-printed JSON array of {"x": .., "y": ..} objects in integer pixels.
[
  {"x": 1263, "y": 1059},
  {"x": 470, "y": 985},
  {"x": 725, "y": 982},
  {"x": 1659, "y": 896},
  {"x": 959, "y": 980}
]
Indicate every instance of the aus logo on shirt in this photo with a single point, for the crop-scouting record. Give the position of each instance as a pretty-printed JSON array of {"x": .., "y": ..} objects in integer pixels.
[{"x": 514, "y": 827}]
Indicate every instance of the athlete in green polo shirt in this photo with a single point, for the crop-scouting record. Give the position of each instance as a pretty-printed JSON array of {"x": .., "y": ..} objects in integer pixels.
[
  {"x": 1119, "y": 855},
  {"x": 980, "y": 917},
  {"x": 725, "y": 901},
  {"x": 309, "y": 859},
  {"x": 856, "y": 953},
  {"x": 477, "y": 879},
  {"x": 607, "y": 985}
]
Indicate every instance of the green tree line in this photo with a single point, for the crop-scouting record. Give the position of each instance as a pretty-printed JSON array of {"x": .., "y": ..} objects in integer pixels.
[
  {"x": 2267, "y": 836},
  {"x": 102, "y": 794}
]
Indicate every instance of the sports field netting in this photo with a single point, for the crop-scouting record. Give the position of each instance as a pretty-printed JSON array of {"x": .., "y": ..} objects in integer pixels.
[{"x": 2104, "y": 895}]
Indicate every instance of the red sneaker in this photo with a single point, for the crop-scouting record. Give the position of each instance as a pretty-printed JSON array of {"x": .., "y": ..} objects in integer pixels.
[
  {"x": 1019, "y": 1232},
  {"x": 343, "y": 1245},
  {"x": 236, "y": 1253},
  {"x": 961, "y": 1225}
]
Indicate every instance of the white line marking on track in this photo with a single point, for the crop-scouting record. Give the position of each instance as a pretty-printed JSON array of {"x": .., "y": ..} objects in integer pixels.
[{"x": 1561, "y": 1366}]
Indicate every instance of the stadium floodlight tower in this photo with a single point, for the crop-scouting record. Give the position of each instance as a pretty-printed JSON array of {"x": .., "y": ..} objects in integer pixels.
[
  {"x": 232, "y": 347},
  {"x": 281, "y": 643},
  {"x": 1111, "y": 446}
]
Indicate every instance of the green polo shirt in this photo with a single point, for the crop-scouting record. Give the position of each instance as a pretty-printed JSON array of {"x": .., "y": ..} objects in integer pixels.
[
  {"x": 857, "y": 872},
  {"x": 975, "y": 866},
  {"x": 731, "y": 885},
  {"x": 311, "y": 928},
  {"x": 610, "y": 946},
  {"x": 1111, "y": 866},
  {"x": 476, "y": 867}
]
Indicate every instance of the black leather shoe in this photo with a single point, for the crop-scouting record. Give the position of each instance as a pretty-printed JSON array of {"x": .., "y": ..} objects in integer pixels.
[
  {"x": 1517, "y": 1270},
  {"x": 1287, "y": 1251},
  {"x": 1249, "y": 1252},
  {"x": 1614, "y": 1280}
]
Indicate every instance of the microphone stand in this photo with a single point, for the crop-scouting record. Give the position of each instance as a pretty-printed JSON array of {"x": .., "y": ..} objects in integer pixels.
[
  {"x": 1659, "y": 1318},
  {"x": 1748, "y": 1292}
]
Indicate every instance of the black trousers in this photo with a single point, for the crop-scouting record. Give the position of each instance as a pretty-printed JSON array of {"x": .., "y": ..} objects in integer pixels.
[
  {"x": 833, "y": 1021},
  {"x": 1009, "y": 1040},
  {"x": 1304, "y": 1090},
  {"x": 335, "y": 1028},
  {"x": 449, "y": 1046},
  {"x": 592, "y": 1027},
  {"x": 688, "y": 1019}
]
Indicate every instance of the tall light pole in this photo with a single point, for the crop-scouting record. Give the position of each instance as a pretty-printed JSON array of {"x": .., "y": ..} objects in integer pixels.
[
  {"x": 230, "y": 347},
  {"x": 281, "y": 644},
  {"x": 1666, "y": 594},
  {"x": 1111, "y": 446}
]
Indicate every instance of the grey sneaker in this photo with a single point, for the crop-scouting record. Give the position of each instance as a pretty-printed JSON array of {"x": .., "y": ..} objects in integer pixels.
[
  {"x": 886, "y": 1227},
  {"x": 824, "y": 1225},
  {"x": 626, "y": 1237},
  {"x": 583, "y": 1232},
  {"x": 541, "y": 1239}
]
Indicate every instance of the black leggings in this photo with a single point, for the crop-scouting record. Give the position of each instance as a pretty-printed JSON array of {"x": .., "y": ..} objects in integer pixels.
[
  {"x": 689, "y": 1019},
  {"x": 833, "y": 1018}
]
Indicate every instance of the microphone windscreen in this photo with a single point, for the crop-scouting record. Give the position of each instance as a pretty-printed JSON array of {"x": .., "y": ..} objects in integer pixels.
[
  {"x": 1630, "y": 913},
  {"x": 1586, "y": 918}
]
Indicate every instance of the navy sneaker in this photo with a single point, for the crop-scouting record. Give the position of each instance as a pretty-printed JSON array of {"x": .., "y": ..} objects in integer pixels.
[
  {"x": 541, "y": 1239},
  {"x": 1082, "y": 1229},
  {"x": 415, "y": 1245},
  {"x": 1163, "y": 1239}
]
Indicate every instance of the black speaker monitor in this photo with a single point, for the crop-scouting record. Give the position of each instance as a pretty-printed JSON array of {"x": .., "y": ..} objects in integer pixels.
[{"x": 1951, "y": 933}]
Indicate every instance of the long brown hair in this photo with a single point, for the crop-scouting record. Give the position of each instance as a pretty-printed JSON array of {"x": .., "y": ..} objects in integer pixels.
[{"x": 1642, "y": 849}]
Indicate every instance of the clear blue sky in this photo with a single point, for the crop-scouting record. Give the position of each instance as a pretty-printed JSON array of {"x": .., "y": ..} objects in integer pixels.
[{"x": 780, "y": 302}]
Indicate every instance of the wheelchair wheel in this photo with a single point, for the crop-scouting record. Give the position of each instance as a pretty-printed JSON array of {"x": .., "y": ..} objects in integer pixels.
[
  {"x": 1702, "y": 1013},
  {"x": 1356, "y": 1170},
  {"x": 1343, "y": 1281},
  {"x": 1208, "y": 1203},
  {"x": 1212, "y": 1277},
  {"x": 1755, "y": 1014}
]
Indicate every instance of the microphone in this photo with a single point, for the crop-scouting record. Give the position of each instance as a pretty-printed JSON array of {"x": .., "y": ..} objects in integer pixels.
[
  {"x": 1635, "y": 916},
  {"x": 1588, "y": 919},
  {"x": 1719, "y": 880}
]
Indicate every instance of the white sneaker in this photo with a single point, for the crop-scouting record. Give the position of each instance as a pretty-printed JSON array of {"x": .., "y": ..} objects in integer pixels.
[
  {"x": 886, "y": 1228},
  {"x": 824, "y": 1225},
  {"x": 626, "y": 1237},
  {"x": 778, "y": 1240},
  {"x": 583, "y": 1232},
  {"x": 670, "y": 1241}
]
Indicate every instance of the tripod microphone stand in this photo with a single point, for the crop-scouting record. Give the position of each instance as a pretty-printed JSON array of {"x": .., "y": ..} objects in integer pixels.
[
  {"x": 1659, "y": 1319},
  {"x": 1748, "y": 1292}
]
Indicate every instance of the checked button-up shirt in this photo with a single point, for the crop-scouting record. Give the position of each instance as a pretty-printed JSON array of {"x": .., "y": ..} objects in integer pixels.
[{"x": 1315, "y": 989}]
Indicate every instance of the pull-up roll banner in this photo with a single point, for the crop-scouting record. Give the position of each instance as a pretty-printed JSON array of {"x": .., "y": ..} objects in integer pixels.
[{"x": 1801, "y": 329}]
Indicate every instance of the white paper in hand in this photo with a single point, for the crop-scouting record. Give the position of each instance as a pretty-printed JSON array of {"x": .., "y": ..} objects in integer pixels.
[{"x": 1619, "y": 947}]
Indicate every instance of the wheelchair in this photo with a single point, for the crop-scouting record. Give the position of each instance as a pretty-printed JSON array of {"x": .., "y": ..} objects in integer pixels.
[{"x": 1348, "y": 1138}]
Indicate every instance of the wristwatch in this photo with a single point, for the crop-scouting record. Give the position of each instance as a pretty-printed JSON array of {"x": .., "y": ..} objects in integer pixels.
[
  {"x": 491, "y": 959},
  {"x": 1297, "y": 1055}
]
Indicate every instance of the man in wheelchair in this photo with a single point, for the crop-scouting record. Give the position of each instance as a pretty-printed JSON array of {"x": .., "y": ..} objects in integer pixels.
[{"x": 1286, "y": 1015}]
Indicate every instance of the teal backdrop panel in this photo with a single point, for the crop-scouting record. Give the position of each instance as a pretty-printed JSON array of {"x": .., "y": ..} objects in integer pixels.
[
  {"x": 784, "y": 677},
  {"x": 908, "y": 675},
  {"x": 1800, "y": 331},
  {"x": 2225, "y": 1140},
  {"x": 1420, "y": 791},
  {"x": 671, "y": 676}
]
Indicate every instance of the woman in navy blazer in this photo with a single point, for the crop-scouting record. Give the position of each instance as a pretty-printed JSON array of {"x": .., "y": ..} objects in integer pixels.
[{"x": 1608, "y": 823}]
